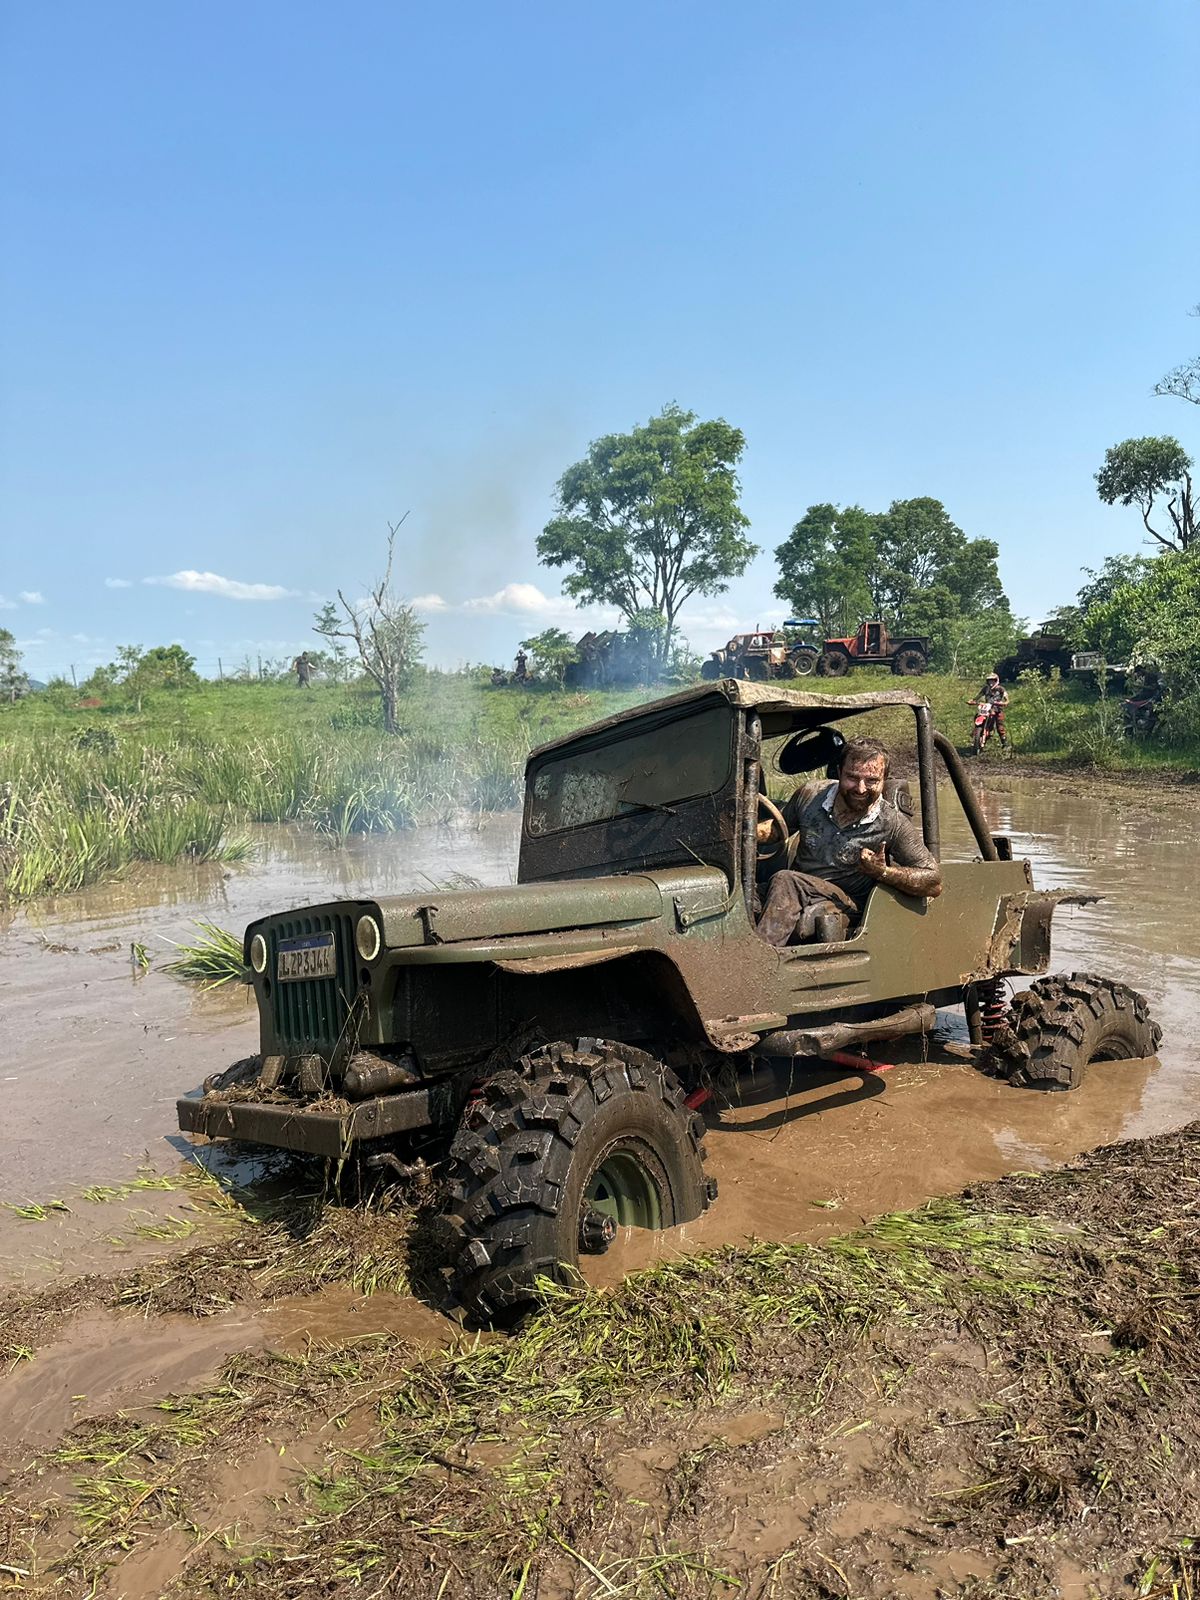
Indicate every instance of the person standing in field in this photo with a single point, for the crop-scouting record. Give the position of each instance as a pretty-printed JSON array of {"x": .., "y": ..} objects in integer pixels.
[{"x": 302, "y": 667}]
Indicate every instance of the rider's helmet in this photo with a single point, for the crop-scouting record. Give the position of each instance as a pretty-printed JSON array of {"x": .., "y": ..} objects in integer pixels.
[{"x": 993, "y": 677}]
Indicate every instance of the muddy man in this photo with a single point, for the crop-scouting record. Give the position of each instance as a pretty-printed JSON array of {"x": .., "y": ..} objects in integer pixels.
[{"x": 843, "y": 836}]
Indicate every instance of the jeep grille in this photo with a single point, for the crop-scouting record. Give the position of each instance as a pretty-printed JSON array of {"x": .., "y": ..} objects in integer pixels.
[{"x": 310, "y": 1014}]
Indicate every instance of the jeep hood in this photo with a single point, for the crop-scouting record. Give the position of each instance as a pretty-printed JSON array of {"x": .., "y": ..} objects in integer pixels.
[{"x": 459, "y": 914}]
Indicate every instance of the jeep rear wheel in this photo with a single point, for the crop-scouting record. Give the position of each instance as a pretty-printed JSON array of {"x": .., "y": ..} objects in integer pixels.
[
  {"x": 557, "y": 1155},
  {"x": 1058, "y": 1025}
]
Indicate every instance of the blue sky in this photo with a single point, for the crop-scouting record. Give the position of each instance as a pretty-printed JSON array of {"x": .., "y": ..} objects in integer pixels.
[{"x": 275, "y": 274}]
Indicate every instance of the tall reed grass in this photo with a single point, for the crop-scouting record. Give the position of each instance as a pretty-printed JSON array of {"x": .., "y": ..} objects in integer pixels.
[{"x": 73, "y": 812}]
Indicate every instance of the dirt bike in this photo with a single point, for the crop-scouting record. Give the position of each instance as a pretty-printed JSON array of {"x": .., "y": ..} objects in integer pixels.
[{"x": 986, "y": 713}]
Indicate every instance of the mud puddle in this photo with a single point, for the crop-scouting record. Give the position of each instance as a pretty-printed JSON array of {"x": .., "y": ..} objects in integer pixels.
[
  {"x": 101, "y": 1055},
  {"x": 104, "y": 1361}
]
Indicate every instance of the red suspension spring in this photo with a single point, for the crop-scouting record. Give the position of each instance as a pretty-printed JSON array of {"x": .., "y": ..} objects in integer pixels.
[{"x": 992, "y": 996}]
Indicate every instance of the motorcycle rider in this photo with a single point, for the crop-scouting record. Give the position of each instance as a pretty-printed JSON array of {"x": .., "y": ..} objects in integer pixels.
[{"x": 996, "y": 695}]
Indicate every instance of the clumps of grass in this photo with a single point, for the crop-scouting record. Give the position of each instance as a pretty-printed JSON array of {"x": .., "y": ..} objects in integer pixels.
[
  {"x": 34, "y": 1210},
  {"x": 214, "y": 959}
]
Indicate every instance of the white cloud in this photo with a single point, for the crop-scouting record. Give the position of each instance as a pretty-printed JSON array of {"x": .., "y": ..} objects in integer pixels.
[
  {"x": 714, "y": 622},
  {"x": 518, "y": 600},
  {"x": 33, "y": 597},
  {"x": 227, "y": 588},
  {"x": 118, "y": 583},
  {"x": 522, "y": 600}
]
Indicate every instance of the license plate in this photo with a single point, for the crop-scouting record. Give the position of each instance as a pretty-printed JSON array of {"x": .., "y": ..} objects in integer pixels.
[{"x": 312, "y": 956}]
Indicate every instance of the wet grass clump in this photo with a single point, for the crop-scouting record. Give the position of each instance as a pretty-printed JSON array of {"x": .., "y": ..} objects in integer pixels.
[{"x": 214, "y": 959}]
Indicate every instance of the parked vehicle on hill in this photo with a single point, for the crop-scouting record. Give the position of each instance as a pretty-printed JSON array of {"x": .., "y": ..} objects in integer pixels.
[
  {"x": 610, "y": 660},
  {"x": 787, "y": 652},
  {"x": 543, "y": 1049},
  {"x": 1045, "y": 649},
  {"x": 873, "y": 646}
]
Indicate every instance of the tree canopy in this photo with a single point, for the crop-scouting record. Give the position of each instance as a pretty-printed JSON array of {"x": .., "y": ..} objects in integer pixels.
[
  {"x": 137, "y": 672},
  {"x": 824, "y": 564},
  {"x": 911, "y": 565},
  {"x": 552, "y": 650},
  {"x": 1154, "y": 619},
  {"x": 1145, "y": 472},
  {"x": 651, "y": 517}
]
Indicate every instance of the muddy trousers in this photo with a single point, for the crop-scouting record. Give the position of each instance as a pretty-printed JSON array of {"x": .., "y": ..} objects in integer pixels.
[{"x": 801, "y": 906}]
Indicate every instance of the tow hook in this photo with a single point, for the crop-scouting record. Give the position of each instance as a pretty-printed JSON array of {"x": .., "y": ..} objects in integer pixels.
[
  {"x": 385, "y": 1161},
  {"x": 596, "y": 1232}
]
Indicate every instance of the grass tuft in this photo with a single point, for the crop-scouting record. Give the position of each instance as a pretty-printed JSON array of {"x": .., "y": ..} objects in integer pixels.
[{"x": 214, "y": 959}]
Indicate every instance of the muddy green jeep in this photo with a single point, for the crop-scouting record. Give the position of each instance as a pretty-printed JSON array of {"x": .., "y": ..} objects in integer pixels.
[{"x": 545, "y": 1046}]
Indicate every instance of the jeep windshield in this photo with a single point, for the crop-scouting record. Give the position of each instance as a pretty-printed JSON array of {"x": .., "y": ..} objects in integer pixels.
[{"x": 653, "y": 768}]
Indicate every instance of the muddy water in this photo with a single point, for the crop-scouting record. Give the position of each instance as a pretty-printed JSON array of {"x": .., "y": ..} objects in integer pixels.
[{"x": 96, "y": 1055}]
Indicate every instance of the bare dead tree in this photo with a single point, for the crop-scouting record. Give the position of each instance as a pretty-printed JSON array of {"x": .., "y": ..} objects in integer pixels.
[{"x": 384, "y": 629}]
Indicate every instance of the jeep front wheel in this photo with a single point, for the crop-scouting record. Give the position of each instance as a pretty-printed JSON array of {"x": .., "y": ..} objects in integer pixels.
[
  {"x": 557, "y": 1155},
  {"x": 1058, "y": 1025}
]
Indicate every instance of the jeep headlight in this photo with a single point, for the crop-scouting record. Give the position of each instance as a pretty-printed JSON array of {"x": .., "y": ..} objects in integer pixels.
[
  {"x": 368, "y": 938},
  {"x": 258, "y": 953}
]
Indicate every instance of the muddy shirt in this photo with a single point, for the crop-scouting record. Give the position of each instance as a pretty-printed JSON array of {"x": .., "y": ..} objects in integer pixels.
[{"x": 818, "y": 845}]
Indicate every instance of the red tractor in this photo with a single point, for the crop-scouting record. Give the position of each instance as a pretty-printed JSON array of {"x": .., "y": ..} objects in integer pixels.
[{"x": 873, "y": 646}]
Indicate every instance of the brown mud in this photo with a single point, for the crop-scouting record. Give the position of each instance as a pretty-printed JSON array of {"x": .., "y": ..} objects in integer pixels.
[{"x": 995, "y": 1398}]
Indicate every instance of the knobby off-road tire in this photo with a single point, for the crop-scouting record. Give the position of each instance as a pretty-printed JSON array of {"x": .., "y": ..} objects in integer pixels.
[
  {"x": 576, "y": 1129},
  {"x": 1060, "y": 1024},
  {"x": 833, "y": 664},
  {"x": 909, "y": 662}
]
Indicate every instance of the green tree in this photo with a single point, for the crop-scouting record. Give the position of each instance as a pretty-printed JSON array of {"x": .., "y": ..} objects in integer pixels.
[
  {"x": 926, "y": 567},
  {"x": 651, "y": 517},
  {"x": 164, "y": 666},
  {"x": 1143, "y": 472},
  {"x": 1115, "y": 572},
  {"x": 386, "y": 632},
  {"x": 1155, "y": 620},
  {"x": 13, "y": 682},
  {"x": 974, "y": 644},
  {"x": 552, "y": 651},
  {"x": 335, "y": 662},
  {"x": 136, "y": 673},
  {"x": 823, "y": 566}
]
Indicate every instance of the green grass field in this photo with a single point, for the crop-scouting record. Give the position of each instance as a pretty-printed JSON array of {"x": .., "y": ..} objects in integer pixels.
[{"x": 87, "y": 790}]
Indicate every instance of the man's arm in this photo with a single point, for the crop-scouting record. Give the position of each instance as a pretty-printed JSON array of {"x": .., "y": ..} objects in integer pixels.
[
  {"x": 912, "y": 870},
  {"x": 922, "y": 882}
]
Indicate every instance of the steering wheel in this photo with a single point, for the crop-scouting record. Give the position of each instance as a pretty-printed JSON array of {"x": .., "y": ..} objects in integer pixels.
[{"x": 779, "y": 828}]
